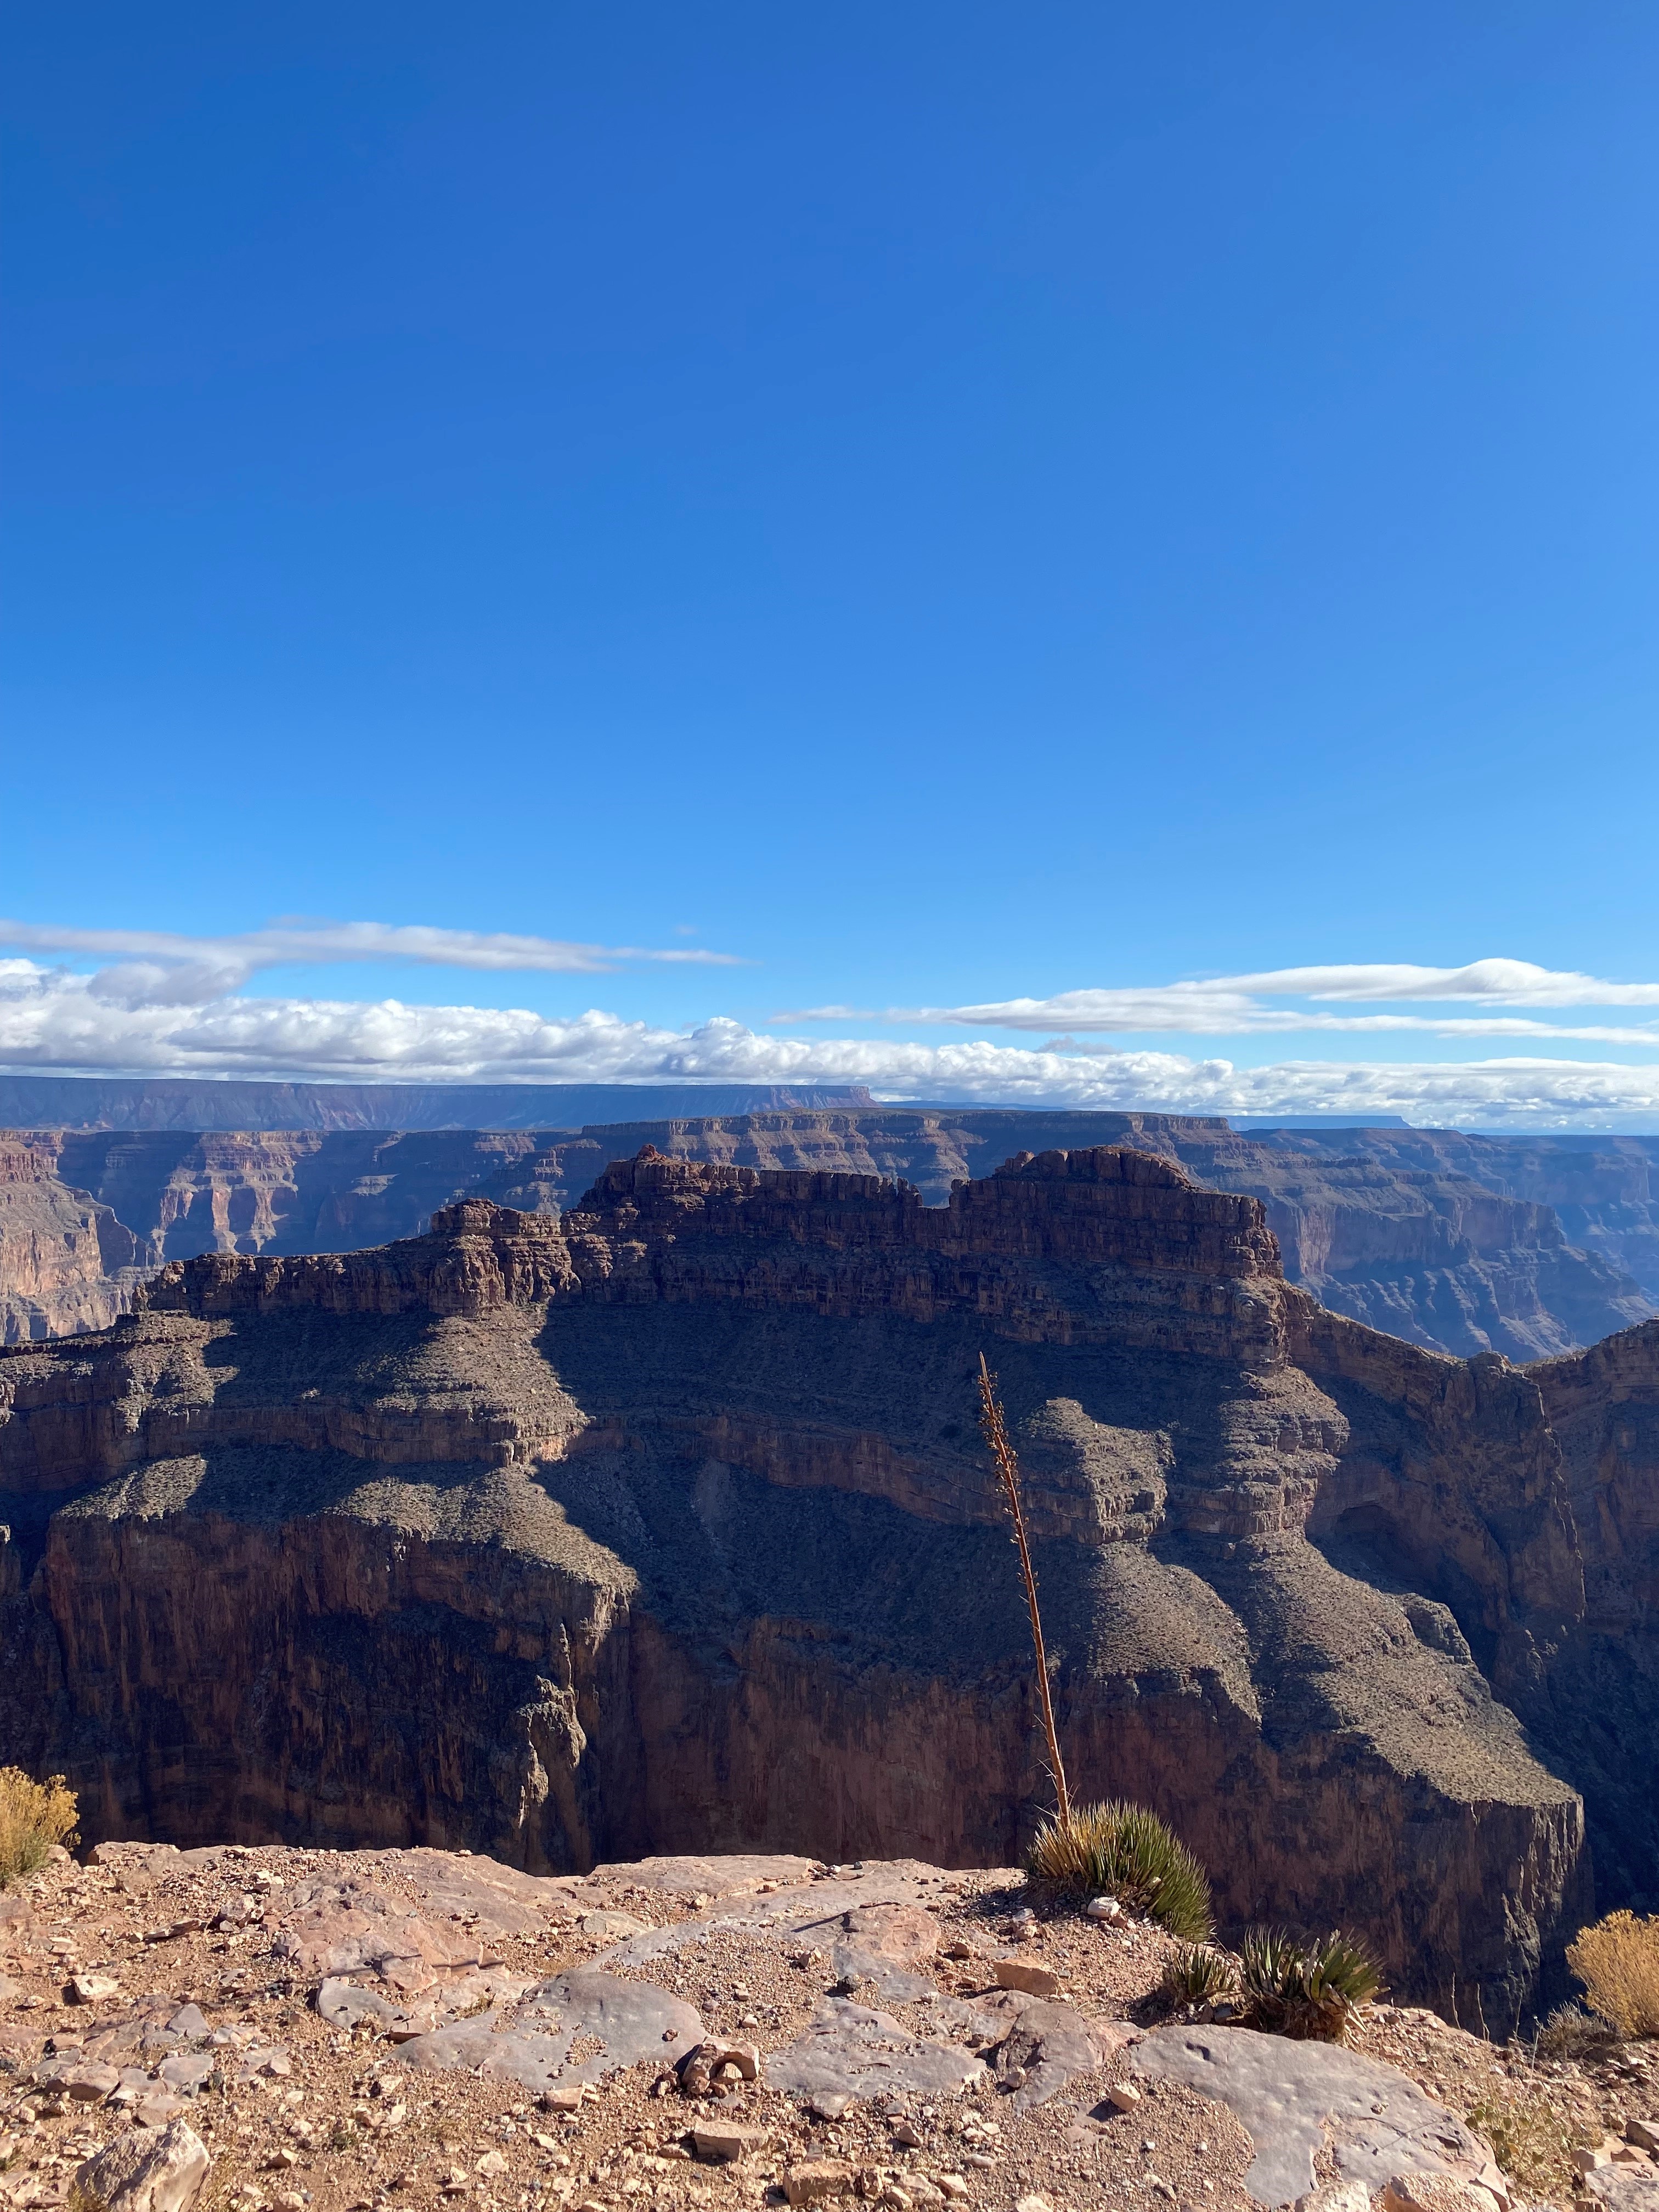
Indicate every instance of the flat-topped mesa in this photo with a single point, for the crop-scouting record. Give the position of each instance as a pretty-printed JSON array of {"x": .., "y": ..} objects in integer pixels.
[
  {"x": 475, "y": 1257},
  {"x": 1113, "y": 1206},
  {"x": 1100, "y": 1245},
  {"x": 1089, "y": 1246}
]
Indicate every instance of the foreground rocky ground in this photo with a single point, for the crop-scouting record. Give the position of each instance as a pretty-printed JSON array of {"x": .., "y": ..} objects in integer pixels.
[{"x": 422, "y": 2028}]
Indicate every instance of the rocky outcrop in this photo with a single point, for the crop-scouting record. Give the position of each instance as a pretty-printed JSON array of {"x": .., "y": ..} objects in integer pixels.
[
  {"x": 663, "y": 1524},
  {"x": 1429, "y": 1252},
  {"x": 331, "y": 2027}
]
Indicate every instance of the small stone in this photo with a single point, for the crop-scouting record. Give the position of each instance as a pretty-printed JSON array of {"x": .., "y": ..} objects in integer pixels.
[
  {"x": 90, "y": 2083},
  {"x": 711, "y": 2139},
  {"x": 907, "y": 2133},
  {"x": 816, "y": 2177},
  {"x": 492, "y": 2162},
  {"x": 958, "y": 1950},
  {"x": 953, "y": 2186},
  {"x": 1124, "y": 2095},
  {"x": 1024, "y": 1975},
  {"x": 561, "y": 2100},
  {"x": 1644, "y": 2134},
  {"x": 1103, "y": 1908},
  {"x": 87, "y": 1989},
  {"x": 281, "y": 2161},
  {"x": 157, "y": 2108},
  {"x": 1032, "y": 2203},
  {"x": 979, "y": 2161}
]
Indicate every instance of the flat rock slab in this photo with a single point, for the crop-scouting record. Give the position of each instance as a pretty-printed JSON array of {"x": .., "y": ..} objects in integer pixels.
[
  {"x": 848, "y": 2051},
  {"x": 1624, "y": 2188},
  {"x": 1051, "y": 2044},
  {"x": 853, "y": 1965},
  {"x": 531, "y": 2041},
  {"x": 814, "y": 1912},
  {"x": 1292, "y": 2096},
  {"x": 738, "y": 1875}
]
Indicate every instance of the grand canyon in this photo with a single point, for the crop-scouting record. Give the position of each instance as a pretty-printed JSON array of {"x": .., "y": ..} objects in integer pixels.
[{"x": 650, "y": 1515}]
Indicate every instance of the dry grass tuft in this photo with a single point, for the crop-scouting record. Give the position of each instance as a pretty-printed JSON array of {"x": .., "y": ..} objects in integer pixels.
[
  {"x": 1618, "y": 1962},
  {"x": 1570, "y": 2032},
  {"x": 35, "y": 1818}
]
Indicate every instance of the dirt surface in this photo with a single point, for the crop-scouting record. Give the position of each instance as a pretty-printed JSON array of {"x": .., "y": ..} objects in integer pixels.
[{"x": 300, "y": 2112}]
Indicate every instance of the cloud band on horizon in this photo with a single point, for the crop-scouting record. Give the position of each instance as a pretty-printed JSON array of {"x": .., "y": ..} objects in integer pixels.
[{"x": 52, "y": 1020}]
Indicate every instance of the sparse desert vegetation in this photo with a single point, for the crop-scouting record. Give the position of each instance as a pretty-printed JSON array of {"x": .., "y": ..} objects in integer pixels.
[
  {"x": 1618, "y": 1962},
  {"x": 35, "y": 1818},
  {"x": 1125, "y": 1851}
]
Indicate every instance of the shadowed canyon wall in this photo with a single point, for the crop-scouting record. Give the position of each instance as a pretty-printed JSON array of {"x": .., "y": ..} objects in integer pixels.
[{"x": 662, "y": 1524}]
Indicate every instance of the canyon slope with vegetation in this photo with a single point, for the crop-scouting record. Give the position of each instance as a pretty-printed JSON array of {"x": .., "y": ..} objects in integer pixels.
[{"x": 663, "y": 1524}]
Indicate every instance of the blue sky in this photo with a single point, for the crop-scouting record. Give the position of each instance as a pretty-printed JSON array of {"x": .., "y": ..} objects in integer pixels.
[{"x": 950, "y": 507}]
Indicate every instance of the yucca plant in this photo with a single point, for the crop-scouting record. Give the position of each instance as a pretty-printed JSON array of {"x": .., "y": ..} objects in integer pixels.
[
  {"x": 1304, "y": 1990},
  {"x": 1125, "y": 1851},
  {"x": 1199, "y": 1974}
]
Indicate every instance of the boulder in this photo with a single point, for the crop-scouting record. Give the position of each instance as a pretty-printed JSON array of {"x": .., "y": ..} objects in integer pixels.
[{"x": 145, "y": 2172}]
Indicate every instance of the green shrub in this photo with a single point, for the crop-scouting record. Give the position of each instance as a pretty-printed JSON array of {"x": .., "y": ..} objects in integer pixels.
[
  {"x": 35, "y": 1818},
  {"x": 1124, "y": 1851},
  {"x": 1532, "y": 2139},
  {"x": 1306, "y": 1989},
  {"x": 1197, "y": 1974}
]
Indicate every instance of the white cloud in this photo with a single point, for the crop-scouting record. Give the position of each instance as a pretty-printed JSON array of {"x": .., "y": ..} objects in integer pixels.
[
  {"x": 1236, "y": 1005},
  {"x": 52, "y": 1020},
  {"x": 173, "y": 969}
]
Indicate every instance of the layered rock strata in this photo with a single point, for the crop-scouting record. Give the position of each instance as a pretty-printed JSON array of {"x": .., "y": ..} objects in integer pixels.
[
  {"x": 1409, "y": 1241},
  {"x": 664, "y": 1525},
  {"x": 67, "y": 1264}
]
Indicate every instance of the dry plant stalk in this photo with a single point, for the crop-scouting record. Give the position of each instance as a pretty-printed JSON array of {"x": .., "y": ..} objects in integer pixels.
[{"x": 995, "y": 1431}]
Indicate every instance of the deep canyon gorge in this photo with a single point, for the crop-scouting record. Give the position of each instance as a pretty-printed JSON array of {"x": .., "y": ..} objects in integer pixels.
[
  {"x": 1461, "y": 1243},
  {"x": 659, "y": 1522}
]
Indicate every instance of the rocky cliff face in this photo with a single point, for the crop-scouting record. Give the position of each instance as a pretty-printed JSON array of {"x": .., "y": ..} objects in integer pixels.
[
  {"x": 1602, "y": 1190},
  {"x": 66, "y": 1263},
  {"x": 1427, "y": 1252},
  {"x": 664, "y": 1525},
  {"x": 1423, "y": 1249}
]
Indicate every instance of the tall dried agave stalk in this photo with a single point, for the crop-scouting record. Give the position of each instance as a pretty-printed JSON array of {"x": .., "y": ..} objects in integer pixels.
[{"x": 995, "y": 1432}]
